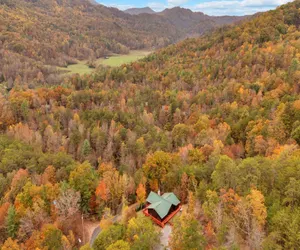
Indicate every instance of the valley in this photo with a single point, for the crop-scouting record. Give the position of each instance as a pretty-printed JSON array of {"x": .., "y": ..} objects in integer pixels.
[
  {"x": 35, "y": 34},
  {"x": 137, "y": 131}
]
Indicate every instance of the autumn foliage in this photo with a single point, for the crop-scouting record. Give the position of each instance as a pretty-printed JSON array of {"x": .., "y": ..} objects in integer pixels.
[{"x": 213, "y": 119}]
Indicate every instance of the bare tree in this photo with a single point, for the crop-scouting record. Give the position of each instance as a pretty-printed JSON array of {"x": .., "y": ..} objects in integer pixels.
[
  {"x": 68, "y": 204},
  {"x": 32, "y": 221}
]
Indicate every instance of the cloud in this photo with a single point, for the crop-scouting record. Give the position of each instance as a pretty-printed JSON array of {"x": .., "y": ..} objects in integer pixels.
[
  {"x": 176, "y": 2},
  {"x": 159, "y": 6},
  {"x": 156, "y": 6},
  {"x": 119, "y": 6},
  {"x": 235, "y": 7},
  {"x": 264, "y": 3}
]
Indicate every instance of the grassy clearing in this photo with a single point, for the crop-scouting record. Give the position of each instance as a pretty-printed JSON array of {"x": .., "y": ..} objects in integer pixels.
[
  {"x": 118, "y": 60},
  {"x": 113, "y": 61},
  {"x": 80, "y": 68}
]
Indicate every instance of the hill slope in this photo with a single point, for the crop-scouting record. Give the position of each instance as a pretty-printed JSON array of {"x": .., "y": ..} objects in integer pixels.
[
  {"x": 59, "y": 32},
  {"x": 43, "y": 32}
]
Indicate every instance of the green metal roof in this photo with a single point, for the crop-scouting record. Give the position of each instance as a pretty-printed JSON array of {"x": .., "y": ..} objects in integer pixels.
[
  {"x": 162, "y": 208},
  {"x": 162, "y": 204},
  {"x": 171, "y": 197},
  {"x": 153, "y": 197}
]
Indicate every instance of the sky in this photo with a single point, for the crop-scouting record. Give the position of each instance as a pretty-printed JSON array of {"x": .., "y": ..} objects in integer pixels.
[{"x": 209, "y": 7}]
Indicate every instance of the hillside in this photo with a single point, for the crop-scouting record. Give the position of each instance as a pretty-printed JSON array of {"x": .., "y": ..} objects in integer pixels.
[
  {"x": 137, "y": 11},
  {"x": 215, "y": 120},
  {"x": 58, "y": 33},
  {"x": 38, "y": 33}
]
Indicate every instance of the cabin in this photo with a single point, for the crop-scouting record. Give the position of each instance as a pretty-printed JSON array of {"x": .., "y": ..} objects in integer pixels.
[{"x": 161, "y": 208}]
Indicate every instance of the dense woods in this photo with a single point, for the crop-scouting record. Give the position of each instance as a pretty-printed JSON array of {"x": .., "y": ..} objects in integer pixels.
[
  {"x": 37, "y": 36},
  {"x": 216, "y": 120}
]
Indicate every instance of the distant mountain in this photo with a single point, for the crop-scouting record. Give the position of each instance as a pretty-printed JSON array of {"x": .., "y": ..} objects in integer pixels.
[
  {"x": 137, "y": 11},
  {"x": 195, "y": 23},
  {"x": 187, "y": 22}
]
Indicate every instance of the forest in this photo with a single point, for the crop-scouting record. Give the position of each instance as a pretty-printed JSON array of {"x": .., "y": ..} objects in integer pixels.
[
  {"x": 38, "y": 36},
  {"x": 215, "y": 119}
]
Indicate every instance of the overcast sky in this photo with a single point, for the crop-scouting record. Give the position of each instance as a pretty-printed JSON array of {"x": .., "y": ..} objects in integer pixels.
[{"x": 210, "y": 7}]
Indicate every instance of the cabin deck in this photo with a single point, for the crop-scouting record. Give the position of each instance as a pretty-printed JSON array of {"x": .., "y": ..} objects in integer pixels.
[{"x": 165, "y": 220}]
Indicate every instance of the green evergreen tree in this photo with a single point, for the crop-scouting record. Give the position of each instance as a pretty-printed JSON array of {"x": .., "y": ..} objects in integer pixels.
[
  {"x": 86, "y": 148},
  {"x": 12, "y": 223}
]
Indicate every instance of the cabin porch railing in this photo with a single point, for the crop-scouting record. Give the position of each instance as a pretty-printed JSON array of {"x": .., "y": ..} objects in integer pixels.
[{"x": 165, "y": 221}]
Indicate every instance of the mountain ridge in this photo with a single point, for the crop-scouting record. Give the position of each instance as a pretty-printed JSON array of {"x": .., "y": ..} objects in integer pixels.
[
  {"x": 191, "y": 22},
  {"x": 137, "y": 11}
]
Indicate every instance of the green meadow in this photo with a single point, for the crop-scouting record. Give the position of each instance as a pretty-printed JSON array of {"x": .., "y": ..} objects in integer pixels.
[
  {"x": 118, "y": 60},
  {"x": 80, "y": 68},
  {"x": 112, "y": 61}
]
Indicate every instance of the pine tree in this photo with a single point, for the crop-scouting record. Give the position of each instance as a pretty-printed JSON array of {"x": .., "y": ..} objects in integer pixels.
[
  {"x": 86, "y": 148},
  {"x": 12, "y": 224}
]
